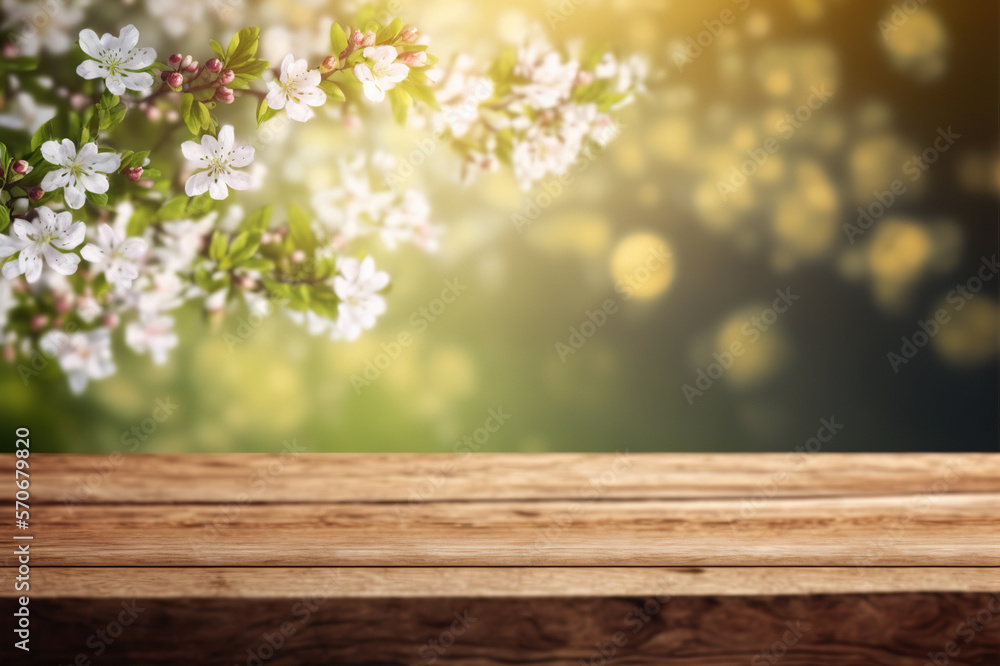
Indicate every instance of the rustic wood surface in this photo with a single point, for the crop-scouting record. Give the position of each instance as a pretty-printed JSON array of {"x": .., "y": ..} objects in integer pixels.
[
  {"x": 865, "y": 630},
  {"x": 402, "y": 477},
  {"x": 884, "y": 557},
  {"x": 951, "y": 530},
  {"x": 508, "y": 582}
]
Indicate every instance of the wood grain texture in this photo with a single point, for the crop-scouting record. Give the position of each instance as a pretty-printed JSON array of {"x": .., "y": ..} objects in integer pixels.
[
  {"x": 868, "y": 630},
  {"x": 347, "y": 477},
  {"x": 946, "y": 530},
  {"x": 498, "y": 582}
]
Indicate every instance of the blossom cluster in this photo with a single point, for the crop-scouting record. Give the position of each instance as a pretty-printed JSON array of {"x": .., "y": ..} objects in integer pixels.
[
  {"x": 96, "y": 239},
  {"x": 536, "y": 108},
  {"x": 101, "y": 241}
]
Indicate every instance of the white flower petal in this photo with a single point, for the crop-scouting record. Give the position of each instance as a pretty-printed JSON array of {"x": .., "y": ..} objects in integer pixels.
[
  {"x": 74, "y": 197},
  {"x": 217, "y": 189},
  {"x": 92, "y": 253},
  {"x": 73, "y": 237},
  {"x": 137, "y": 80},
  {"x": 90, "y": 43},
  {"x": 94, "y": 182},
  {"x": 91, "y": 69},
  {"x": 197, "y": 184},
  {"x": 54, "y": 153},
  {"x": 106, "y": 162},
  {"x": 226, "y": 138},
  {"x": 241, "y": 157},
  {"x": 128, "y": 38},
  {"x": 115, "y": 84},
  {"x": 238, "y": 180},
  {"x": 298, "y": 111},
  {"x": 62, "y": 263},
  {"x": 193, "y": 151}
]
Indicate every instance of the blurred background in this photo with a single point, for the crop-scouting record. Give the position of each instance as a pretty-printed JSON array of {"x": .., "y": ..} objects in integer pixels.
[{"x": 843, "y": 153}]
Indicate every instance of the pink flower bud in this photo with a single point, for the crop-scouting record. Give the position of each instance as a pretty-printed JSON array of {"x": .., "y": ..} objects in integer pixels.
[
  {"x": 110, "y": 320},
  {"x": 214, "y": 65},
  {"x": 227, "y": 77},
  {"x": 39, "y": 321},
  {"x": 133, "y": 173},
  {"x": 357, "y": 38},
  {"x": 187, "y": 61},
  {"x": 330, "y": 62},
  {"x": 224, "y": 95},
  {"x": 175, "y": 58},
  {"x": 414, "y": 58},
  {"x": 245, "y": 282},
  {"x": 63, "y": 305},
  {"x": 175, "y": 80},
  {"x": 298, "y": 256},
  {"x": 154, "y": 114},
  {"x": 36, "y": 193},
  {"x": 193, "y": 67},
  {"x": 21, "y": 167},
  {"x": 165, "y": 75},
  {"x": 369, "y": 39},
  {"x": 409, "y": 35}
]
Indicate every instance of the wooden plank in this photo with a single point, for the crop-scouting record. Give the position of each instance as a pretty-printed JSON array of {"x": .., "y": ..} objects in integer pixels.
[
  {"x": 872, "y": 629},
  {"x": 346, "y": 477},
  {"x": 909, "y": 530},
  {"x": 501, "y": 582}
]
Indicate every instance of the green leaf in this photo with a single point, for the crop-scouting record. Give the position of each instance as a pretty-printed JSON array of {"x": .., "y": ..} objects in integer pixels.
[
  {"x": 264, "y": 113},
  {"x": 187, "y": 114},
  {"x": 175, "y": 209},
  {"x": 401, "y": 102},
  {"x": 257, "y": 264},
  {"x": 389, "y": 32},
  {"x": 301, "y": 229},
  {"x": 332, "y": 90},
  {"x": 420, "y": 92},
  {"x": 4, "y": 217},
  {"x": 217, "y": 249},
  {"x": 97, "y": 199},
  {"x": 47, "y": 132},
  {"x": 338, "y": 39},
  {"x": 202, "y": 115},
  {"x": 258, "y": 220},
  {"x": 217, "y": 49}
]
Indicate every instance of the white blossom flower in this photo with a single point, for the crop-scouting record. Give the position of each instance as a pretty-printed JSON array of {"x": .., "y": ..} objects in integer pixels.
[
  {"x": 357, "y": 287},
  {"x": 82, "y": 356},
  {"x": 152, "y": 334},
  {"x": 81, "y": 171},
  {"x": 383, "y": 74},
  {"x": 296, "y": 89},
  {"x": 409, "y": 221},
  {"x": 42, "y": 238},
  {"x": 26, "y": 114},
  {"x": 116, "y": 256},
  {"x": 219, "y": 159},
  {"x": 116, "y": 60}
]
